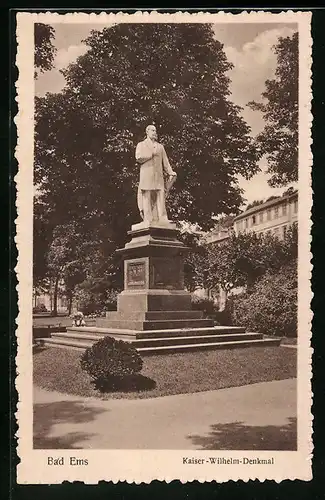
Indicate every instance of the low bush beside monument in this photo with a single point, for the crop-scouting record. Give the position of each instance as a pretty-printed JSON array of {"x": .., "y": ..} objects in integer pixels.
[{"x": 109, "y": 361}]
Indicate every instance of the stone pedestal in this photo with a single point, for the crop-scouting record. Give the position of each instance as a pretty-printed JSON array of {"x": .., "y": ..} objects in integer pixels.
[
  {"x": 154, "y": 311},
  {"x": 153, "y": 295}
]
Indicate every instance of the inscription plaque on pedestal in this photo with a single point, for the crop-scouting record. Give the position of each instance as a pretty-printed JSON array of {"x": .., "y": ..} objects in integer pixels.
[{"x": 135, "y": 274}]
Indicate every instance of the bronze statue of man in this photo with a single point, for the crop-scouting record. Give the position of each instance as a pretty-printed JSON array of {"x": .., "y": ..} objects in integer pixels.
[{"x": 152, "y": 190}]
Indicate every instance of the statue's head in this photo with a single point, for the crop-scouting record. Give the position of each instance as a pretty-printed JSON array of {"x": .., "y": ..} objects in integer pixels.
[{"x": 151, "y": 132}]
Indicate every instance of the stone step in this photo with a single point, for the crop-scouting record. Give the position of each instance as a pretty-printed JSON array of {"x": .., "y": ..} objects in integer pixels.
[
  {"x": 146, "y": 351},
  {"x": 136, "y": 334},
  {"x": 153, "y": 315},
  {"x": 166, "y": 349},
  {"x": 163, "y": 341},
  {"x": 68, "y": 343},
  {"x": 166, "y": 324}
]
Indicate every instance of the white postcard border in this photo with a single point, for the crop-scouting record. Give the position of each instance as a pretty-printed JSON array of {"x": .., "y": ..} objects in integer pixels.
[{"x": 144, "y": 465}]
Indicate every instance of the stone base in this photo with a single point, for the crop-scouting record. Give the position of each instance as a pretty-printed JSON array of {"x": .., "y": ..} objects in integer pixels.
[
  {"x": 153, "y": 315},
  {"x": 153, "y": 300},
  {"x": 153, "y": 225},
  {"x": 127, "y": 323},
  {"x": 154, "y": 309},
  {"x": 153, "y": 283}
]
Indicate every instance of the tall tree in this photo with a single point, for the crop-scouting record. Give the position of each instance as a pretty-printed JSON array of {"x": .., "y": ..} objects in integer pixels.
[
  {"x": 44, "y": 49},
  {"x": 279, "y": 139},
  {"x": 77, "y": 257},
  {"x": 172, "y": 74},
  {"x": 42, "y": 238}
]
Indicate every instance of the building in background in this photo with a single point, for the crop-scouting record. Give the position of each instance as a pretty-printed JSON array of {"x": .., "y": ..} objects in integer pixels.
[
  {"x": 274, "y": 216},
  {"x": 221, "y": 232},
  {"x": 218, "y": 236}
]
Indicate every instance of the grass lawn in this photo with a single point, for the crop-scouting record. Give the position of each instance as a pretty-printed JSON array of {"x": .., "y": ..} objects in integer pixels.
[
  {"x": 59, "y": 370},
  {"x": 289, "y": 341}
]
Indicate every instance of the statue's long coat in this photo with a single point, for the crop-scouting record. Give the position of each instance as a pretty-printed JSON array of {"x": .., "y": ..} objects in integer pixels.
[{"x": 152, "y": 165}]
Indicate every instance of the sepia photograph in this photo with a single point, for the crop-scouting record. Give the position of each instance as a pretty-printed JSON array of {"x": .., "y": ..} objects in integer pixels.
[{"x": 165, "y": 245}]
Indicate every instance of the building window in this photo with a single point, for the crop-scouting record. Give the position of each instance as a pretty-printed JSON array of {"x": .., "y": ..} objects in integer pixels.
[
  {"x": 246, "y": 223},
  {"x": 253, "y": 220},
  {"x": 261, "y": 217},
  {"x": 276, "y": 212},
  {"x": 284, "y": 209},
  {"x": 276, "y": 231},
  {"x": 268, "y": 214},
  {"x": 295, "y": 207}
]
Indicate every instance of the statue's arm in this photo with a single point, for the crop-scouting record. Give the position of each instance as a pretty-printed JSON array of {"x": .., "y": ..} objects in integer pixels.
[
  {"x": 167, "y": 168},
  {"x": 140, "y": 155}
]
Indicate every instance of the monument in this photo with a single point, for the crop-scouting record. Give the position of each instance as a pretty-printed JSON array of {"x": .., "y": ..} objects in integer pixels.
[
  {"x": 154, "y": 310},
  {"x": 154, "y": 293}
]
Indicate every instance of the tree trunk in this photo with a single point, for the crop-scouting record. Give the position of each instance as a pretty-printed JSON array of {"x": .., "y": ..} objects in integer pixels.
[
  {"x": 70, "y": 303},
  {"x": 223, "y": 298},
  {"x": 55, "y": 296}
]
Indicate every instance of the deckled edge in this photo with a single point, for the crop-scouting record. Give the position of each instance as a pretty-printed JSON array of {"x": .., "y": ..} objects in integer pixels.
[{"x": 20, "y": 155}]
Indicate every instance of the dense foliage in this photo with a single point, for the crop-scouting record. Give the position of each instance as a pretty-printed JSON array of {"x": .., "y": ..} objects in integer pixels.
[
  {"x": 111, "y": 358},
  {"x": 271, "y": 306},
  {"x": 92, "y": 301},
  {"x": 279, "y": 139},
  {"x": 44, "y": 49},
  {"x": 238, "y": 261}
]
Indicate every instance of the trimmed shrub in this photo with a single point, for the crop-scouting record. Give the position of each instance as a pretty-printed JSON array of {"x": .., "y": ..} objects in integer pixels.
[
  {"x": 271, "y": 307},
  {"x": 109, "y": 358}
]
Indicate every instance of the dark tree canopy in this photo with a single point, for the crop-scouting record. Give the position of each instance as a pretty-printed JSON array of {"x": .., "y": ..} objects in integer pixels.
[
  {"x": 279, "y": 139},
  {"x": 132, "y": 75},
  {"x": 44, "y": 48}
]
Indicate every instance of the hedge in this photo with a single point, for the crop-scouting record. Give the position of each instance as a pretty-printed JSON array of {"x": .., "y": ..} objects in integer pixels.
[{"x": 271, "y": 307}]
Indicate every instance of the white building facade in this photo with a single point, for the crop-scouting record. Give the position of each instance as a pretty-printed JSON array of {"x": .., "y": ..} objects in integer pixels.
[{"x": 272, "y": 217}]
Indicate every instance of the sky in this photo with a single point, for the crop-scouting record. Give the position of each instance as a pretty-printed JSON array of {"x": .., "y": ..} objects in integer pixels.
[{"x": 247, "y": 46}]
